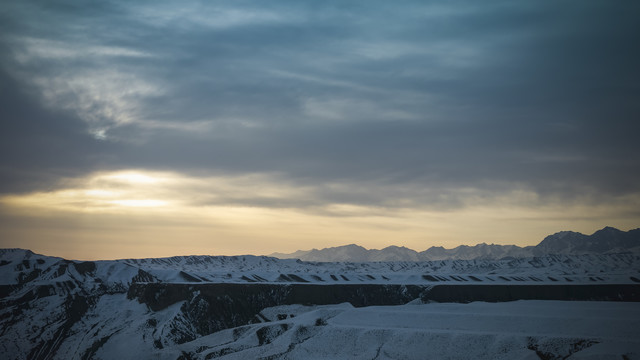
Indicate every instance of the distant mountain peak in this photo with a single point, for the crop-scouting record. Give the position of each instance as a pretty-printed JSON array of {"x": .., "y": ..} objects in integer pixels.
[
  {"x": 605, "y": 240},
  {"x": 353, "y": 246},
  {"x": 608, "y": 230}
]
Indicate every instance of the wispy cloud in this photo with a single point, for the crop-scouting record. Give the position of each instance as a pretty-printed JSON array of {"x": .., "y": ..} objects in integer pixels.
[{"x": 29, "y": 50}]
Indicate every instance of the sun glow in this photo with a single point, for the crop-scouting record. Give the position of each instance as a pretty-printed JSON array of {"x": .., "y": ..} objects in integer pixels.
[
  {"x": 99, "y": 193},
  {"x": 139, "y": 203},
  {"x": 146, "y": 212},
  {"x": 104, "y": 193},
  {"x": 133, "y": 177}
]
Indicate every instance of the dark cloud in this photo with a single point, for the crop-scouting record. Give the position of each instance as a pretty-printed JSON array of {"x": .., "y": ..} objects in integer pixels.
[
  {"x": 39, "y": 146},
  {"x": 494, "y": 96}
]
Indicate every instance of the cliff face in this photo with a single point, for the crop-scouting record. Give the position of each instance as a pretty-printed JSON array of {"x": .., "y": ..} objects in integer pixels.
[
  {"x": 212, "y": 307},
  {"x": 235, "y": 304}
]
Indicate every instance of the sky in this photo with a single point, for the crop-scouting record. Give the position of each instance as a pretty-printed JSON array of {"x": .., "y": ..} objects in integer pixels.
[{"x": 159, "y": 128}]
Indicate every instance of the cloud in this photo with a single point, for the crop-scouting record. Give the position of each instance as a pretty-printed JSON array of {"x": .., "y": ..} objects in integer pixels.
[
  {"x": 199, "y": 14},
  {"x": 168, "y": 213},
  {"x": 115, "y": 192},
  {"x": 30, "y": 49},
  {"x": 419, "y": 105}
]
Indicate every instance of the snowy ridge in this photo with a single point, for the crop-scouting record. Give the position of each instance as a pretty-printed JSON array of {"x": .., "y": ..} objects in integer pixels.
[
  {"x": 607, "y": 256},
  {"x": 22, "y": 266},
  {"x": 615, "y": 268}
]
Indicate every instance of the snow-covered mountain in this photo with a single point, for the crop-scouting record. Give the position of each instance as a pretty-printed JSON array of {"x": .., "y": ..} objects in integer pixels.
[
  {"x": 191, "y": 306},
  {"x": 353, "y": 253},
  {"x": 605, "y": 241},
  {"x": 479, "y": 251}
]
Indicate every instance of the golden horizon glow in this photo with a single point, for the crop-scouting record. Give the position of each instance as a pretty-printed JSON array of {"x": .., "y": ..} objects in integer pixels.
[{"x": 136, "y": 213}]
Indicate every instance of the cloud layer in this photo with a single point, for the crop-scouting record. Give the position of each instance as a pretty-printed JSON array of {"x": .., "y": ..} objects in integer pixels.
[{"x": 420, "y": 105}]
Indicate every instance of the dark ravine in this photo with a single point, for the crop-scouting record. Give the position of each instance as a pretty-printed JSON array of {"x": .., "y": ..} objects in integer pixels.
[
  {"x": 160, "y": 295},
  {"x": 75, "y": 308},
  {"x": 213, "y": 307},
  {"x": 502, "y": 293}
]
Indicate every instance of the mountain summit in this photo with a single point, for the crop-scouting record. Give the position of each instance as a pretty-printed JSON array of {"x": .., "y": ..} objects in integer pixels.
[{"x": 605, "y": 241}]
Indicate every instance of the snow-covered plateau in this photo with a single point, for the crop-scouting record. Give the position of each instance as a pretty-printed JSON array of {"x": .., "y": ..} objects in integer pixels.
[
  {"x": 479, "y": 330},
  {"x": 245, "y": 307}
]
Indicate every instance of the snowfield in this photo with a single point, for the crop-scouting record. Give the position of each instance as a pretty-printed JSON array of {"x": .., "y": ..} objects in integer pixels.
[{"x": 513, "y": 330}]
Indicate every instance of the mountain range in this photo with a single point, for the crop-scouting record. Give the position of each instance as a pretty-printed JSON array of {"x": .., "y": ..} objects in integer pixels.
[
  {"x": 608, "y": 240},
  {"x": 248, "y": 307}
]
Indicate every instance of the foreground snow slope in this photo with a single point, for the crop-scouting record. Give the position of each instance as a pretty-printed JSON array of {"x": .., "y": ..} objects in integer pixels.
[{"x": 521, "y": 329}]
